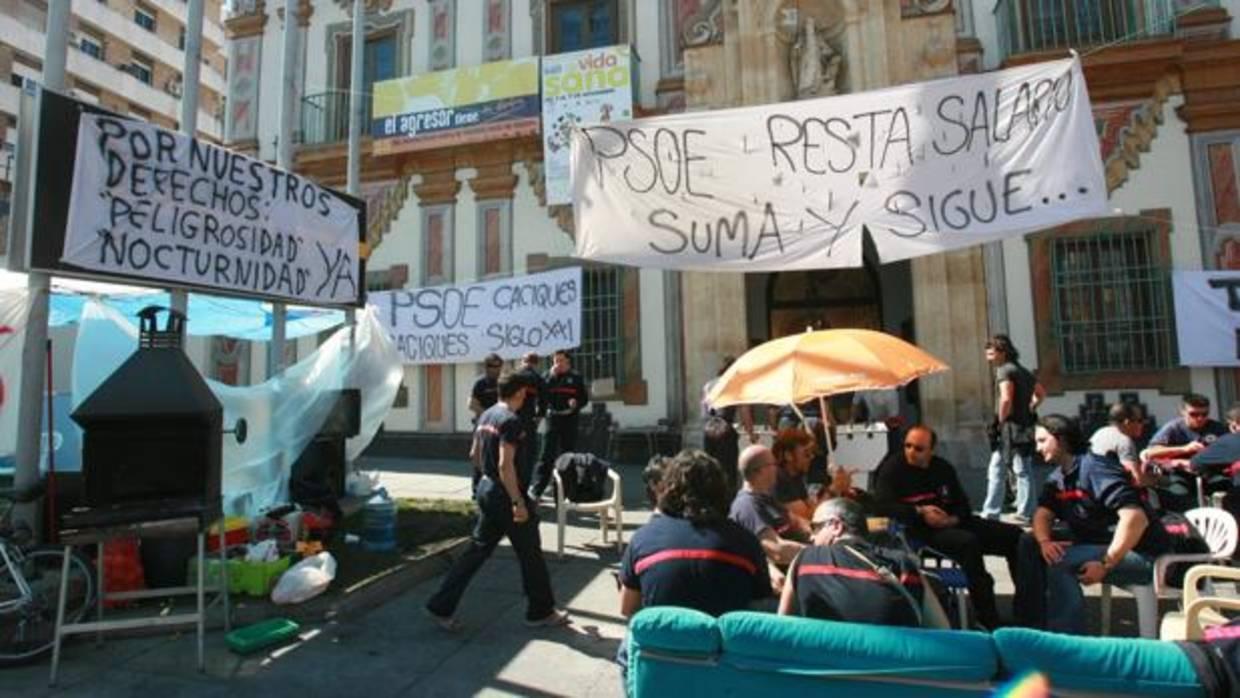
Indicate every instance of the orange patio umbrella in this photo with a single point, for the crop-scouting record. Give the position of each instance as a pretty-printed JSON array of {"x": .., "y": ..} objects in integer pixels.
[{"x": 815, "y": 365}]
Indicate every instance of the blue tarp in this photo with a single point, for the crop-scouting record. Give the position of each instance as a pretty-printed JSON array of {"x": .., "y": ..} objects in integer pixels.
[{"x": 208, "y": 315}]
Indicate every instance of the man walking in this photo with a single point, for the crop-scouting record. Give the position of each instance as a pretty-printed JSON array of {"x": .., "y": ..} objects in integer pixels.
[
  {"x": 565, "y": 395},
  {"x": 1012, "y": 437},
  {"x": 502, "y": 511}
]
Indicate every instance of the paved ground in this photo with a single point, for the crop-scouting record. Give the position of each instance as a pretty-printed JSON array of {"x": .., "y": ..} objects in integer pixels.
[{"x": 395, "y": 651}]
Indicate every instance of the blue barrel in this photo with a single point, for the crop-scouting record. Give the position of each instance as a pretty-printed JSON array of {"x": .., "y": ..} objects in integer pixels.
[{"x": 379, "y": 523}]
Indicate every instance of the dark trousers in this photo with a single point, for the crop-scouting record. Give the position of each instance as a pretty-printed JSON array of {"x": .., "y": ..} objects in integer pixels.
[
  {"x": 561, "y": 438},
  {"x": 966, "y": 544},
  {"x": 494, "y": 523}
]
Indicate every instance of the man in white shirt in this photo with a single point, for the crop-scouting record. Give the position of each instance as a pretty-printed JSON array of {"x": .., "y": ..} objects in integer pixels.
[{"x": 1125, "y": 423}]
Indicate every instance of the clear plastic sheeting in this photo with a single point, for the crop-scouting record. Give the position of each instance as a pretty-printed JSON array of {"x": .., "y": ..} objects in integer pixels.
[{"x": 283, "y": 413}]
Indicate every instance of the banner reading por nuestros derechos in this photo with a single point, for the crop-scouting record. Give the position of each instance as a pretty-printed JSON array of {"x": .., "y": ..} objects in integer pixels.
[
  {"x": 465, "y": 322},
  {"x": 924, "y": 167},
  {"x": 158, "y": 205}
]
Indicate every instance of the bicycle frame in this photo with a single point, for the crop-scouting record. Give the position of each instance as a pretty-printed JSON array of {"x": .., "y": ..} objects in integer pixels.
[{"x": 12, "y": 558}]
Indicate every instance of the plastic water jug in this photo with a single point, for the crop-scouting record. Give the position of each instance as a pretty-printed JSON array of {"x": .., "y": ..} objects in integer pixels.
[{"x": 379, "y": 523}]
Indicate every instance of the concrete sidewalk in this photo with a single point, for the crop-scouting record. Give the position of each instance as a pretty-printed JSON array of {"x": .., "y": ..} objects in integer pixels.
[{"x": 394, "y": 650}]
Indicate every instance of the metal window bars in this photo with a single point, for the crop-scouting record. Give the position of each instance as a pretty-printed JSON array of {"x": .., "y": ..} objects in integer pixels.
[
  {"x": 601, "y": 354},
  {"x": 1111, "y": 304}
]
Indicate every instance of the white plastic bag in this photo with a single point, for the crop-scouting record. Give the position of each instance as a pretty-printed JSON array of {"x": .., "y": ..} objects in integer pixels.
[{"x": 305, "y": 580}]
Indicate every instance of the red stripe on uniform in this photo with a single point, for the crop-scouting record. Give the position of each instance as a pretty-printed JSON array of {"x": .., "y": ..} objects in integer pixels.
[
  {"x": 918, "y": 497},
  {"x": 563, "y": 390},
  {"x": 868, "y": 575},
  {"x": 1071, "y": 495},
  {"x": 689, "y": 554}
]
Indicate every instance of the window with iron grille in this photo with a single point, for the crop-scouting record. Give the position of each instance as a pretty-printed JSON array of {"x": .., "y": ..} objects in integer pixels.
[
  {"x": 601, "y": 354},
  {"x": 1111, "y": 303}
]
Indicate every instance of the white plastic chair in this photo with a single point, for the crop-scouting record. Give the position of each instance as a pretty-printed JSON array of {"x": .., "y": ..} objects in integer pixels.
[
  {"x": 613, "y": 506},
  {"x": 1217, "y": 527},
  {"x": 1200, "y": 611}
]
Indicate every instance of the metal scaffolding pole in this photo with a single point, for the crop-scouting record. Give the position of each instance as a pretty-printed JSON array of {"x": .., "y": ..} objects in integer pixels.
[
  {"x": 189, "y": 101},
  {"x": 38, "y": 287},
  {"x": 357, "y": 97},
  {"x": 284, "y": 160}
]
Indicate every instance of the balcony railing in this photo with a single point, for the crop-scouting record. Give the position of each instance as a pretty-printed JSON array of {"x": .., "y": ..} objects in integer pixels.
[
  {"x": 1043, "y": 25},
  {"x": 325, "y": 117}
]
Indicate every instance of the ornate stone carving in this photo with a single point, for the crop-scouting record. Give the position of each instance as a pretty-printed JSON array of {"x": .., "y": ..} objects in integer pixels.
[
  {"x": 921, "y": 8},
  {"x": 815, "y": 65},
  {"x": 705, "y": 27},
  {"x": 245, "y": 19}
]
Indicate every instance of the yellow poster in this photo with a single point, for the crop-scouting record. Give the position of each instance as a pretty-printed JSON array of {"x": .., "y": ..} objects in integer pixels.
[{"x": 452, "y": 107}]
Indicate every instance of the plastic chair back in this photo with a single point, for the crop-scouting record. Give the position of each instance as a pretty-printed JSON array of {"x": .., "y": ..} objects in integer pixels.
[{"x": 1217, "y": 527}]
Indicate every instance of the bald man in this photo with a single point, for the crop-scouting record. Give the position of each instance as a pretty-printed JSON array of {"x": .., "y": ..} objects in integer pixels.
[{"x": 756, "y": 509}]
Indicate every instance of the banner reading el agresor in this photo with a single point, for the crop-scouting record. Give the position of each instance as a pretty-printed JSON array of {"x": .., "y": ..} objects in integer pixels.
[
  {"x": 150, "y": 203},
  {"x": 925, "y": 168},
  {"x": 463, "y": 323}
]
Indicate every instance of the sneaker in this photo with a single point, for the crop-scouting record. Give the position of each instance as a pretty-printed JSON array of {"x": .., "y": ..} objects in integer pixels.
[
  {"x": 556, "y": 617},
  {"x": 445, "y": 623}
]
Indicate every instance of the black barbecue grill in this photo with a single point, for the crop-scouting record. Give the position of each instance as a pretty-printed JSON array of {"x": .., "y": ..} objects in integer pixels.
[{"x": 152, "y": 435}]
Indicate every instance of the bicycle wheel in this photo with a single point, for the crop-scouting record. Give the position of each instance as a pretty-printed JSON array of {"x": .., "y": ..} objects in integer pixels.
[{"x": 29, "y": 630}]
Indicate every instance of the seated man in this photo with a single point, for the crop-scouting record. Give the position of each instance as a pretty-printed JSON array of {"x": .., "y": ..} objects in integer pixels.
[
  {"x": 843, "y": 576},
  {"x": 1114, "y": 537},
  {"x": 1176, "y": 442},
  {"x": 794, "y": 451},
  {"x": 923, "y": 492},
  {"x": 756, "y": 510},
  {"x": 692, "y": 555},
  {"x": 1125, "y": 423}
]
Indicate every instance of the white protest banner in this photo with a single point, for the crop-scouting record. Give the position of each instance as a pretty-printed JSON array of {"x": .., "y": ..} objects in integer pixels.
[
  {"x": 1207, "y": 317},
  {"x": 465, "y": 322},
  {"x": 154, "y": 204},
  {"x": 580, "y": 88},
  {"x": 925, "y": 168}
]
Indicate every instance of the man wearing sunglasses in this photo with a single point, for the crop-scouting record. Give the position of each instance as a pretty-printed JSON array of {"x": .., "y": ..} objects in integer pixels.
[
  {"x": 1180, "y": 439},
  {"x": 923, "y": 492}
]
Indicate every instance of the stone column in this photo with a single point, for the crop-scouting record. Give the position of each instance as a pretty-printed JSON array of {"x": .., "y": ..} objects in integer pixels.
[{"x": 750, "y": 66}]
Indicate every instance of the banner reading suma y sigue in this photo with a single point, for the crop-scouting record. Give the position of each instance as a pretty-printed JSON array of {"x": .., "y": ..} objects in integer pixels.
[{"x": 924, "y": 168}]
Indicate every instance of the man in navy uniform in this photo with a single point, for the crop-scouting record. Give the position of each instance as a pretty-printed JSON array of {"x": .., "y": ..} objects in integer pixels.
[
  {"x": 484, "y": 395},
  {"x": 502, "y": 511},
  {"x": 564, "y": 396}
]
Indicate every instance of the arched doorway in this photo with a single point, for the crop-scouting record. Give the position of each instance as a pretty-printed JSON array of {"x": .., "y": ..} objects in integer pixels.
[{"x": 824, "y": 299}]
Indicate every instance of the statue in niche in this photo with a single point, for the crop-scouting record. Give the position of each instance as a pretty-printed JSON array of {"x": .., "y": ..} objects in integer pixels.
[{"x": 815, "y": 65}]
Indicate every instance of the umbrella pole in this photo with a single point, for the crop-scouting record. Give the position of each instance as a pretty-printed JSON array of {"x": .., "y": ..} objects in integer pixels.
[{"x": 826, "y": 430}]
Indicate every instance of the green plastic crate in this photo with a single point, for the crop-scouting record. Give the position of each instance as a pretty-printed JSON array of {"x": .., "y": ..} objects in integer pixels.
[
  {"x": 255, "y": 637},
  {"x": 253, "y": 578}
]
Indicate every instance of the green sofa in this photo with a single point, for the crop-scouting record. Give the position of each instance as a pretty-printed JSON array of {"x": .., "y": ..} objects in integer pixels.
[{"x": 680, "y": 652}]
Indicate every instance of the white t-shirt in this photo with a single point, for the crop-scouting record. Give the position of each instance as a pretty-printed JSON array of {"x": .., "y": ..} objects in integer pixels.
[{"x": 1110, "y": 439}]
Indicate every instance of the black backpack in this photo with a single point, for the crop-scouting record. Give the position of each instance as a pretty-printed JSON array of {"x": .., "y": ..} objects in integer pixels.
[{"x": 584, "y": 476}]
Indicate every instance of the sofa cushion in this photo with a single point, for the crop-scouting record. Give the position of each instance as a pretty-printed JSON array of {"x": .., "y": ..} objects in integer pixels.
[
  {"x": 820, "y": 647},
  {"x": 677, "y": 630},
  {"x": 1099, "y": 664}
]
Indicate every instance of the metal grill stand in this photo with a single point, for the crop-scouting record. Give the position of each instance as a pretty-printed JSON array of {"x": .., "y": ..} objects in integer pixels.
[{"x": 98, "y": 535}]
